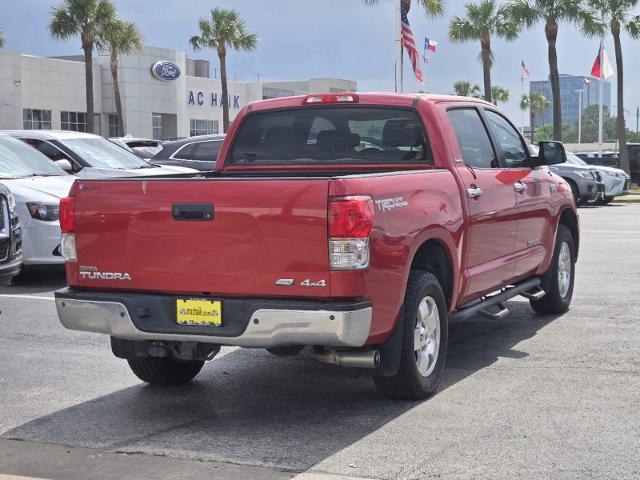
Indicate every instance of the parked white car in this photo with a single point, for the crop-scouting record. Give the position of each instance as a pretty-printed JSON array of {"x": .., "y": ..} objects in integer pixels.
[
  {"x": 616, "y": 181},
  {"x": 37, "y": 186},
  {"x": 90, "y": 156}
]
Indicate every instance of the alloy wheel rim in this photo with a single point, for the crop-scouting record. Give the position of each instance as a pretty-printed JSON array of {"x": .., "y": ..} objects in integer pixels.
[
  {"x": 426, "y": 336},
  {"x": 564, "y": 269}
]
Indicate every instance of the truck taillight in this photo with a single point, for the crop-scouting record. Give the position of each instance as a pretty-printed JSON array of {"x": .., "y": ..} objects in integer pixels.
[
  {"x": 350, "y": 222},
  {"x": 68, "y": 240},
  {"x": 66, "y": 215}
]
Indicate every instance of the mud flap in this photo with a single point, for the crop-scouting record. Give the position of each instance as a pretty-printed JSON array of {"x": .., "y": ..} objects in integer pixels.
[{"x": 391, "y": 351}]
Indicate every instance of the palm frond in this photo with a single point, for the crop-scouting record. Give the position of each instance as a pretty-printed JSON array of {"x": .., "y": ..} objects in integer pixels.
[
  {"x": 462, "y": 30},
  {"x": 63, "y": 25},
  {"x": 633, "y": 27},
  {"x": 432, "y": 8}
]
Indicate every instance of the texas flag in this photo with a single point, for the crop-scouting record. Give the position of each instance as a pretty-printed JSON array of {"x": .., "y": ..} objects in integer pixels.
[
  {"x": 602, "y": 71},
  {"x": 430, "y": 45}
]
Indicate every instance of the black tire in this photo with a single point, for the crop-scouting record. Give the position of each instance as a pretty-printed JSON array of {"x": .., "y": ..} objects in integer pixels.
[
  {"x": 165, "y": 371},
  {"x": 408, "y": 383},
  {"x": 554, "y": 302},
  {"x": 574, "y": 191}
]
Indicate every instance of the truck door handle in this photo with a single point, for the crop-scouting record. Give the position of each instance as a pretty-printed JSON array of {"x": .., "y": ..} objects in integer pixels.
[
  {"x": 474, "y": 192},
  {"x": 519, "y": 187},
  {"x": 194, "y": 212}
]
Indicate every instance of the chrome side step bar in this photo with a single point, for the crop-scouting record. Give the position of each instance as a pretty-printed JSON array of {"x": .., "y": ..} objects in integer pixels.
[
  {"x": 499, "y": 315},
  {"x": 529, "y": 288},
  {"x": 534, "y": 294}
]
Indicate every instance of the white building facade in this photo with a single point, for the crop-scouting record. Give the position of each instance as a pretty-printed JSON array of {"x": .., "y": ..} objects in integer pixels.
[{"x": 164, "y": 94}]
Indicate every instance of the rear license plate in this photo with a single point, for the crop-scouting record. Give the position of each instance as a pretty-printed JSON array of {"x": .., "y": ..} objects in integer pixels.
[{"x": 198, "y": 311}]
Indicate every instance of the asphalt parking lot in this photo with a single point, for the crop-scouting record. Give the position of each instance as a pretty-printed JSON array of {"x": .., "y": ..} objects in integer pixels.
[{"x": 527, "y": 397}]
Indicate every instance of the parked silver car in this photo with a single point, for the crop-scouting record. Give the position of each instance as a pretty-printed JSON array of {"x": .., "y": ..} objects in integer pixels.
[
  {"x": 616, "y": 181},
  {"x": 585, "y": 181}
]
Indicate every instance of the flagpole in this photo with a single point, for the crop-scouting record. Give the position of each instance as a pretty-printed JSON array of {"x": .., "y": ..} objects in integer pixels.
[
  {"x": 522, "y": 90},
  {"x": 398, "y": 46},
  {"x": 601, "y": 95}
]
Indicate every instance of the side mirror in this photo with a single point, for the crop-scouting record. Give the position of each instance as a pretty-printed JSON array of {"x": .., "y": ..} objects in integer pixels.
[
  {"x": 64, "y": 164},
  {"x": 551, "y": 153}
]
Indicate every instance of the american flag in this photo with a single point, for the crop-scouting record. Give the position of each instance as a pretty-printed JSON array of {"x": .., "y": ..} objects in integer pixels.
[{"x": 409, "y": 43}]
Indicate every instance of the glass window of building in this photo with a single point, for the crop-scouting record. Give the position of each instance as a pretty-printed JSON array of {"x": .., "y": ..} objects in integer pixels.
[
  {"x": 97, "y": 124},
  {"x": 203, "y": 127},
  {"x": 157, "y": 125},
  {"x": 74, "y": 121},
  {"x": 36, "y": 119},
  {"x": 113, "y": 125}
]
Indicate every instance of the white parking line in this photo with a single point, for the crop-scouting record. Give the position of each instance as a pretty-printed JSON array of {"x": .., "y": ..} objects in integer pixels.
[
  {"x": 34, "y": 297},
  {"x": 19, "y": 477}
]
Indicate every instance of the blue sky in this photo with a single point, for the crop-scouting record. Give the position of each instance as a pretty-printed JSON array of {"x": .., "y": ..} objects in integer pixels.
[{"x": 337, "y": 38}]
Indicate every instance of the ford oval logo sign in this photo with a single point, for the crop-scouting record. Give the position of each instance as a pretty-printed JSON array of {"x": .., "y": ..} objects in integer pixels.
[{"x": 164, "y": 70}]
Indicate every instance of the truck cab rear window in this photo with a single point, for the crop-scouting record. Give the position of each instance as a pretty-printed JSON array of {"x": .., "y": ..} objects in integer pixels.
[{"x": 331, "y": 135}]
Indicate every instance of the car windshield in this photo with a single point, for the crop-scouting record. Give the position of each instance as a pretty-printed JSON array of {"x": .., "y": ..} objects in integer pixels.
[
  {"x": 18, "y": 159},
  {"x": 101, "y": 153},
  {"x": 575, "y": 160}
]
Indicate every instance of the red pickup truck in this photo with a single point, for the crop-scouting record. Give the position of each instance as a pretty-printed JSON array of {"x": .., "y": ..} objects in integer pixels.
[{"x": 357, "y": 225}]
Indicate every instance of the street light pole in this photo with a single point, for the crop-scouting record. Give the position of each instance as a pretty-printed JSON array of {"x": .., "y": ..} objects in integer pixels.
[
  {"x": 600, "y": 92},
  {"x": 637, "y": 118},
  {"x": 580, "y": 92},
  {"x": 398, "y": 46}
]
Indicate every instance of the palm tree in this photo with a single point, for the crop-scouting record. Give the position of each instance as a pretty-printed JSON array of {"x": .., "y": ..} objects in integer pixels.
[
  {"x": 119, "y": 38},
  {"x": 535, "y": 102},
  {"x": 464, "y": 88},
  {"x": 1, "y": 38},
  {"x": 224, "y": 29},
  {"x": 499, "y": 95},
  {"x": 87, "y": 19},
  {"x": 551, "y": 12},
  {"x": 483, "y": 20},
  {"x": 619, "y": 14}
]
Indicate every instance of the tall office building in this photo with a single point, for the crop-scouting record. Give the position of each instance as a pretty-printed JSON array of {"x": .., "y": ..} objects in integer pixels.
[{"x": 569, "y": 86}]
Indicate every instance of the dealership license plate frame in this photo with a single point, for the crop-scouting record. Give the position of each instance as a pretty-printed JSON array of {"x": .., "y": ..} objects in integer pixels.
[{"x": 199, "y": 312}]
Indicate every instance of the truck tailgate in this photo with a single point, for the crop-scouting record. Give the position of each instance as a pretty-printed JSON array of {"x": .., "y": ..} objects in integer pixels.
[{"x": 261, "y": 231}]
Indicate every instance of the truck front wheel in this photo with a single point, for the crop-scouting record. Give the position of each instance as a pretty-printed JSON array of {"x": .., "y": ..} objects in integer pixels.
[
  {"x": 165, "y": 371},
  {"x": 558, "y": 281},
  {"x": 424, "y": 343}
]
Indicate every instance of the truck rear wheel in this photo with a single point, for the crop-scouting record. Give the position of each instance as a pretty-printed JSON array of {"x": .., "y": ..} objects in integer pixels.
[
  {"x": 559, "y": 279},
  {"x": 424, "y": 343},
  {"x": 165, "y": 371}
]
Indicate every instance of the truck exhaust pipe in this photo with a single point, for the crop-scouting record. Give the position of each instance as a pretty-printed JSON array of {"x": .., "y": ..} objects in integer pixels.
[{"x": 353, "y": 359}]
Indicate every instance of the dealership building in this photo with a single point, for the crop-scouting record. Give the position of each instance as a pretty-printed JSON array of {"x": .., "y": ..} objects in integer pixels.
[{"x": 164, "y": 93}]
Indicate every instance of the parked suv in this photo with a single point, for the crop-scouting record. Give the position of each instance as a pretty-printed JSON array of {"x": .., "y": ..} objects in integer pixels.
[
  {"x": 10, "y": 237},
  {"x": 194, "y": 152}
]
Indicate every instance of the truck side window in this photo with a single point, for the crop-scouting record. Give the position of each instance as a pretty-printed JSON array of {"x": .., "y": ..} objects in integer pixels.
[
  {"x": 513, "y": 148},
  {"x": 472, "y": 137}
]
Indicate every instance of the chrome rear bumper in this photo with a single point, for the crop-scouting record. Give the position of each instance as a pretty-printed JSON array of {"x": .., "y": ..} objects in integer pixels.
[{"x": 268, "y": 327}]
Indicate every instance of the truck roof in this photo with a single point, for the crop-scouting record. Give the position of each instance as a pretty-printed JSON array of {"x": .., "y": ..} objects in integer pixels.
[{"x": 368, "y": 98}]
